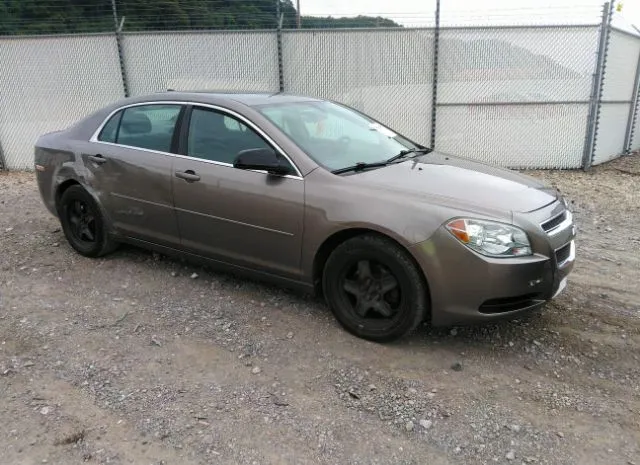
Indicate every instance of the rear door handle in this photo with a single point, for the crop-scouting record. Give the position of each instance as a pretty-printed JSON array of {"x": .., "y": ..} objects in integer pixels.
[
  {"x": 189, "y": 175},
  {"x": 99, "y": 159}
]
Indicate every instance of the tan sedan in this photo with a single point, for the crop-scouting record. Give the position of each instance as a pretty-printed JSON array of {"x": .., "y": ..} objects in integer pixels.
[{"x": 313, "y": 195}]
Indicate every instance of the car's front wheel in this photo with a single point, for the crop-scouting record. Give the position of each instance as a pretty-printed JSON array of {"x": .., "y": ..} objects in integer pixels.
[
  {"x": 83, "y": 224},
  {"x": 374, "y": 288}
]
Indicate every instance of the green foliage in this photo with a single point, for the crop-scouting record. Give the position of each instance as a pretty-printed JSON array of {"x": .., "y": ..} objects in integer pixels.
[
  {"x": 358, "y": 21},
  {"x": 54, "y": 16},
  {"x": 74, "y": 16}
]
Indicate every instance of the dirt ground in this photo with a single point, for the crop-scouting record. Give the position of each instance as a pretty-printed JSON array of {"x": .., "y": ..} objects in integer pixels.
[{"x": 131, "y": 360}]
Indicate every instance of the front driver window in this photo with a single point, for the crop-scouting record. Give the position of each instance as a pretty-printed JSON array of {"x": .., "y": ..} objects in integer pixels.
[{"x": 218, "y": 137}]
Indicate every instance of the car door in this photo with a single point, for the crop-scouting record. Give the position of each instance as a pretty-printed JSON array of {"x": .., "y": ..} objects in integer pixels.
[
  {"x": 247, "y": 218},
  {"x": 130, "y": 167}
]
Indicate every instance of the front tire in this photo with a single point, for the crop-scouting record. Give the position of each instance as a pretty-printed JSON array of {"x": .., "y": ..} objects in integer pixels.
[
  {"x": 374, "y": 288},
  {"x": 83, "y": 224}
]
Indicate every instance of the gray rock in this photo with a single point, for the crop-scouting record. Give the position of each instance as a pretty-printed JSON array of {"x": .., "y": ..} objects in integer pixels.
[
  {"x": 194, "y": 276},
  {"x": 409, "y": 426},
  {"x": 515, "y": 428},
  {"x": 256, "y": 370},
  {"x": 426, "y": 424},
  {"x": 511, "y": 455},
  {"x": 280, "y": 402}
]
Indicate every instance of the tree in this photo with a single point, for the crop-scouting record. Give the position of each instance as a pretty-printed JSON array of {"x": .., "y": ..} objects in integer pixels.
[
  {"x": 73, "y": 16},
  {"x": 358, "y": 21}
]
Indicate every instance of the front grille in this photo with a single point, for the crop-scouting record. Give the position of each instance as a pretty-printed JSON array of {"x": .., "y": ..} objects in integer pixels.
[
  {"x": 563, "y": 253},
  {"x": 509, "y": 304},
  {"x": 554, "y": 222}
]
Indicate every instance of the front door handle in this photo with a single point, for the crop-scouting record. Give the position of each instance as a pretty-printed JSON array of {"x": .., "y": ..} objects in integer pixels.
[
  {"x": 98, "y": 159},
  {"x": 189, "y": 175}
]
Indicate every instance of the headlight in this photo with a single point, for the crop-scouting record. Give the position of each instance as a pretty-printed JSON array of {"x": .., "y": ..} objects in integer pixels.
[{"x": 491, "y": 238}]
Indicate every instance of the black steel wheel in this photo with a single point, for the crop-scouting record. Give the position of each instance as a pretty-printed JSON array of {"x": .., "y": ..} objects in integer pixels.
[
  {"x": 374, "y": 288},
  {"x": 83, "y": 224}
]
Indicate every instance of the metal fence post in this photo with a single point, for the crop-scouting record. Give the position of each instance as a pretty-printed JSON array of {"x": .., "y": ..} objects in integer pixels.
[
  {"x": 633, "y": 110},
  {"x": 434, "y": 84},
  {"x": 279, "y": 44},
  {"x": 595, "y": 100},
  {"x": 3, "y": 165},
  {"x": 118, "y": 30}
]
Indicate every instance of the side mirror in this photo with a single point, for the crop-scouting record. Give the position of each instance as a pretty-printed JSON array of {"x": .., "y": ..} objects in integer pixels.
[{"x": 260, "y": 159}]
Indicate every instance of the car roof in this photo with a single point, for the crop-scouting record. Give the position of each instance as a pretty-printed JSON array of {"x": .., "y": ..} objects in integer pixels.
[{"x": 207, "y": 96}]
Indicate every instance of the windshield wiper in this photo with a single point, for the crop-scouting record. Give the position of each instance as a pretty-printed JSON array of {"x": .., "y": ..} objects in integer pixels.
[
  {"x": 404, "y": 153},
  {"x": 360, "y": 166}
]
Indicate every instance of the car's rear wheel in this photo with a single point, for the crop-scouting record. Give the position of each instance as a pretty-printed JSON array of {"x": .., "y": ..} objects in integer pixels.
[
  {"x": 83, "y": 224},
  {"x": 374, "y": 288}
]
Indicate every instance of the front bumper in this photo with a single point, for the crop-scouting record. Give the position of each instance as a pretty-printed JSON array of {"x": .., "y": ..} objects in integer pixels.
[{"x": 466, "y": 287}]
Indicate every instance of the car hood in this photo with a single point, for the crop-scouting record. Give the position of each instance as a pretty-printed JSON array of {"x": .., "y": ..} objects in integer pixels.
[{"x": 466, "y": 181}]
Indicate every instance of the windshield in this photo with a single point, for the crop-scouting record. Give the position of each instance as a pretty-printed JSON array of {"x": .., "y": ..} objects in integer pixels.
[{"x": 334, "y": 136}]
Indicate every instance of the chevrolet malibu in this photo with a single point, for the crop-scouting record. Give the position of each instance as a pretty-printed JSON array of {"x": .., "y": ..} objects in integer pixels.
[{"x": 313, "y": 195}]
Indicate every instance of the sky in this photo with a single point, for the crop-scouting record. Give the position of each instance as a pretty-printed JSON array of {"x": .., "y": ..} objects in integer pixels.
[{"x": 465, "y": 12}]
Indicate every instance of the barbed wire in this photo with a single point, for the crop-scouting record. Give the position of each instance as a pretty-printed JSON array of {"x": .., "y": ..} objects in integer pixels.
[{"x": 64, "y": 16}]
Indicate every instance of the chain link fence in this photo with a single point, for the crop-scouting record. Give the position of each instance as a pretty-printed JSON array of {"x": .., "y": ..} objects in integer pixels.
[
  {"x": 521, "y": 97},
  {"x": 384, "y": 73},
  {"x": 516, "y": 96},
  {"x": 48, "y": 83},
  {"x": 200, "y": 61},
  {"x": 618, "y": 95}
]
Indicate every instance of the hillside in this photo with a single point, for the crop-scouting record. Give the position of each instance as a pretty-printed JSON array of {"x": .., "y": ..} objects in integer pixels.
[{"x": 73, "y": 16}]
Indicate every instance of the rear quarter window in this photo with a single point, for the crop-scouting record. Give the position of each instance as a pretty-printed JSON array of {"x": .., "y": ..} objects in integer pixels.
[{"x": 110, "y": 130}]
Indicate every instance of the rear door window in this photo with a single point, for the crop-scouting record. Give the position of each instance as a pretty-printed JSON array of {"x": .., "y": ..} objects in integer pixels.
[{"x": 145, "y": 126}]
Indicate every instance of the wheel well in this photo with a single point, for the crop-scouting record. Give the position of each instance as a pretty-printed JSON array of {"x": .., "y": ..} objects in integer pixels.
[
  {"x": 330, "y": 244},
  {"x": 62, "y": 188},
  {"x": 338, "y": 238}
]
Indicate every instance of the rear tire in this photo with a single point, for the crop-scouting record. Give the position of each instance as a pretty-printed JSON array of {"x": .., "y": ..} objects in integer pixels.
[
  {"x": 374, "y": 288},
  {"x": 83, "y": 224}
]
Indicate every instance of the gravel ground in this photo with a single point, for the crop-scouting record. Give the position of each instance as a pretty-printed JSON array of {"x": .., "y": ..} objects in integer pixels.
[{"x": 137, "y": 358}]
